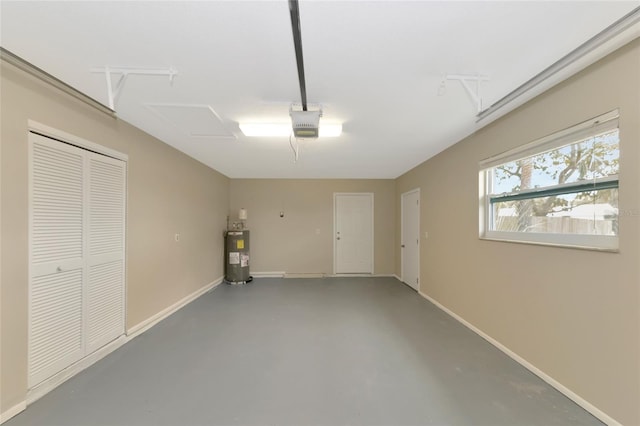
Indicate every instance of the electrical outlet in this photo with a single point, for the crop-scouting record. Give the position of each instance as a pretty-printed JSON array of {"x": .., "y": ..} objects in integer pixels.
[{"x": 177, "y": 237}]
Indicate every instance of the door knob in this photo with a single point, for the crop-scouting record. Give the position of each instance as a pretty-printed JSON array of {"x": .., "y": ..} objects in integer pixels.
[
  {"x": 402, "y": 246},
  {"x": 338, "y": 238}
]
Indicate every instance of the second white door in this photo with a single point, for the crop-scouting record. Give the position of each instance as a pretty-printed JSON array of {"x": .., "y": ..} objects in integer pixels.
[
  {"x": 411, "y": 238},
  {"x": 353, "y": 239}
]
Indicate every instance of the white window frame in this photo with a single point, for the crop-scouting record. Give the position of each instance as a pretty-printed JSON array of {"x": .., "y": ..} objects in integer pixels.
[{"x": 604, "y": 122}]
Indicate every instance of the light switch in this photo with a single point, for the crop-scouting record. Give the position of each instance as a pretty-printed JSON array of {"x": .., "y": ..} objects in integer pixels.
[{"x": 426, "y": 235}]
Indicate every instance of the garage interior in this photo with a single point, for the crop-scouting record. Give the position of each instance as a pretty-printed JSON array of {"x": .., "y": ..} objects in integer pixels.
[{"x": 146, "y": 110}]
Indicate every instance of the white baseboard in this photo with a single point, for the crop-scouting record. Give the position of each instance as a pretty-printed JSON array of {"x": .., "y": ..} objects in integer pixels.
[
  {"x": 11, "y": 412},
  {"x": 305, "y": 275},
  {"x": 604, "y": 417},
  {"x": 359, "y": 275},
  {"x": 143, "y": 326},
  {"x": 397, "y": 277},
  {"x": 283, "y": 274},
  {"x": 276, "y": 274},
  {"x": 51, "y": 383},
  {"x": 59, "y": 378}
]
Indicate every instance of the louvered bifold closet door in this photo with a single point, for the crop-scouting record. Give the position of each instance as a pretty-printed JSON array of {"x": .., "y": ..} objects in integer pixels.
[
  {"x": 105, "y": 289},
  {"x": 56, "y": 257},
  {"x": 77, "y": 245}
]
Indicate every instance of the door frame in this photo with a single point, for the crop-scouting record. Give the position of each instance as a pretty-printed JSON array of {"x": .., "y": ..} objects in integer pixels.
[
  {"x": 335, "y": 221},
  {"x": 402, "y": 225}
]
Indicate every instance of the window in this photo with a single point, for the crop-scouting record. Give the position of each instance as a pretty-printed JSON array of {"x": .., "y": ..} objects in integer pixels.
[{"x": 560, "y": 190}]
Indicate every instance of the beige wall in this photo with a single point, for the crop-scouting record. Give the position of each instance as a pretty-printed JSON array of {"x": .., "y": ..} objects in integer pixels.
[
  {"x": 168, "y": 193},
  {"x": 291, "y": 244},
  {"x": 574, "y": 314}
]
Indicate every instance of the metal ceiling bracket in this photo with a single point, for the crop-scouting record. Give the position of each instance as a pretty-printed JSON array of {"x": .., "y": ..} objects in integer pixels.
[
  {"x": 113, "y": 92},
  {"x": 464, "y": 79}
]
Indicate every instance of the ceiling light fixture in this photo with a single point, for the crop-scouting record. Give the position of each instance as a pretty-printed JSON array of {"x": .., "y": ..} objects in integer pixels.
[
  {"x": 284, "y": 129},
  {"x": 330, "y": 130}
]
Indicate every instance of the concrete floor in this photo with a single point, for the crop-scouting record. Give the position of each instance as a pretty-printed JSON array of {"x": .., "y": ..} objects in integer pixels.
[{"x": 338, "y": 351}]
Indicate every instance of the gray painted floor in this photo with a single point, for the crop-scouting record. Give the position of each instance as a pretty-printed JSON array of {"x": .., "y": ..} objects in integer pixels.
[{"x": 339, "y": 351}]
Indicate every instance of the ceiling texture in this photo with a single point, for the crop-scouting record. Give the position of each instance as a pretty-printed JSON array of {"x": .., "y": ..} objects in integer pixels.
[{"x": 376, "y": 67}]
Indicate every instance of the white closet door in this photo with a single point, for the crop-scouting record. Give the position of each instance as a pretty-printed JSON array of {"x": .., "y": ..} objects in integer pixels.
[
  {"x": 77, "y": 241},
  {"x": 56, "y": 283},
  {"x": 105, "y": 286}
]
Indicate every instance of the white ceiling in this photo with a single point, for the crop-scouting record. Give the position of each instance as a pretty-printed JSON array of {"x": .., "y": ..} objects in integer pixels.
[{"x": 374, "y": 66}]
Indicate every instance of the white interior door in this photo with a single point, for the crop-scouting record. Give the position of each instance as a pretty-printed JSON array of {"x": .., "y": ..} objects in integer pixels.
[
  {"x": 353, "y": 242},
  {"x": 77, "y": 224},
  {"x": 410, "y": 245}
]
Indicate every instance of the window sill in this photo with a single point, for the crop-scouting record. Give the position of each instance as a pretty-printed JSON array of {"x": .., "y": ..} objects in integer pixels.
[{"x": 599, "y": 243}]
